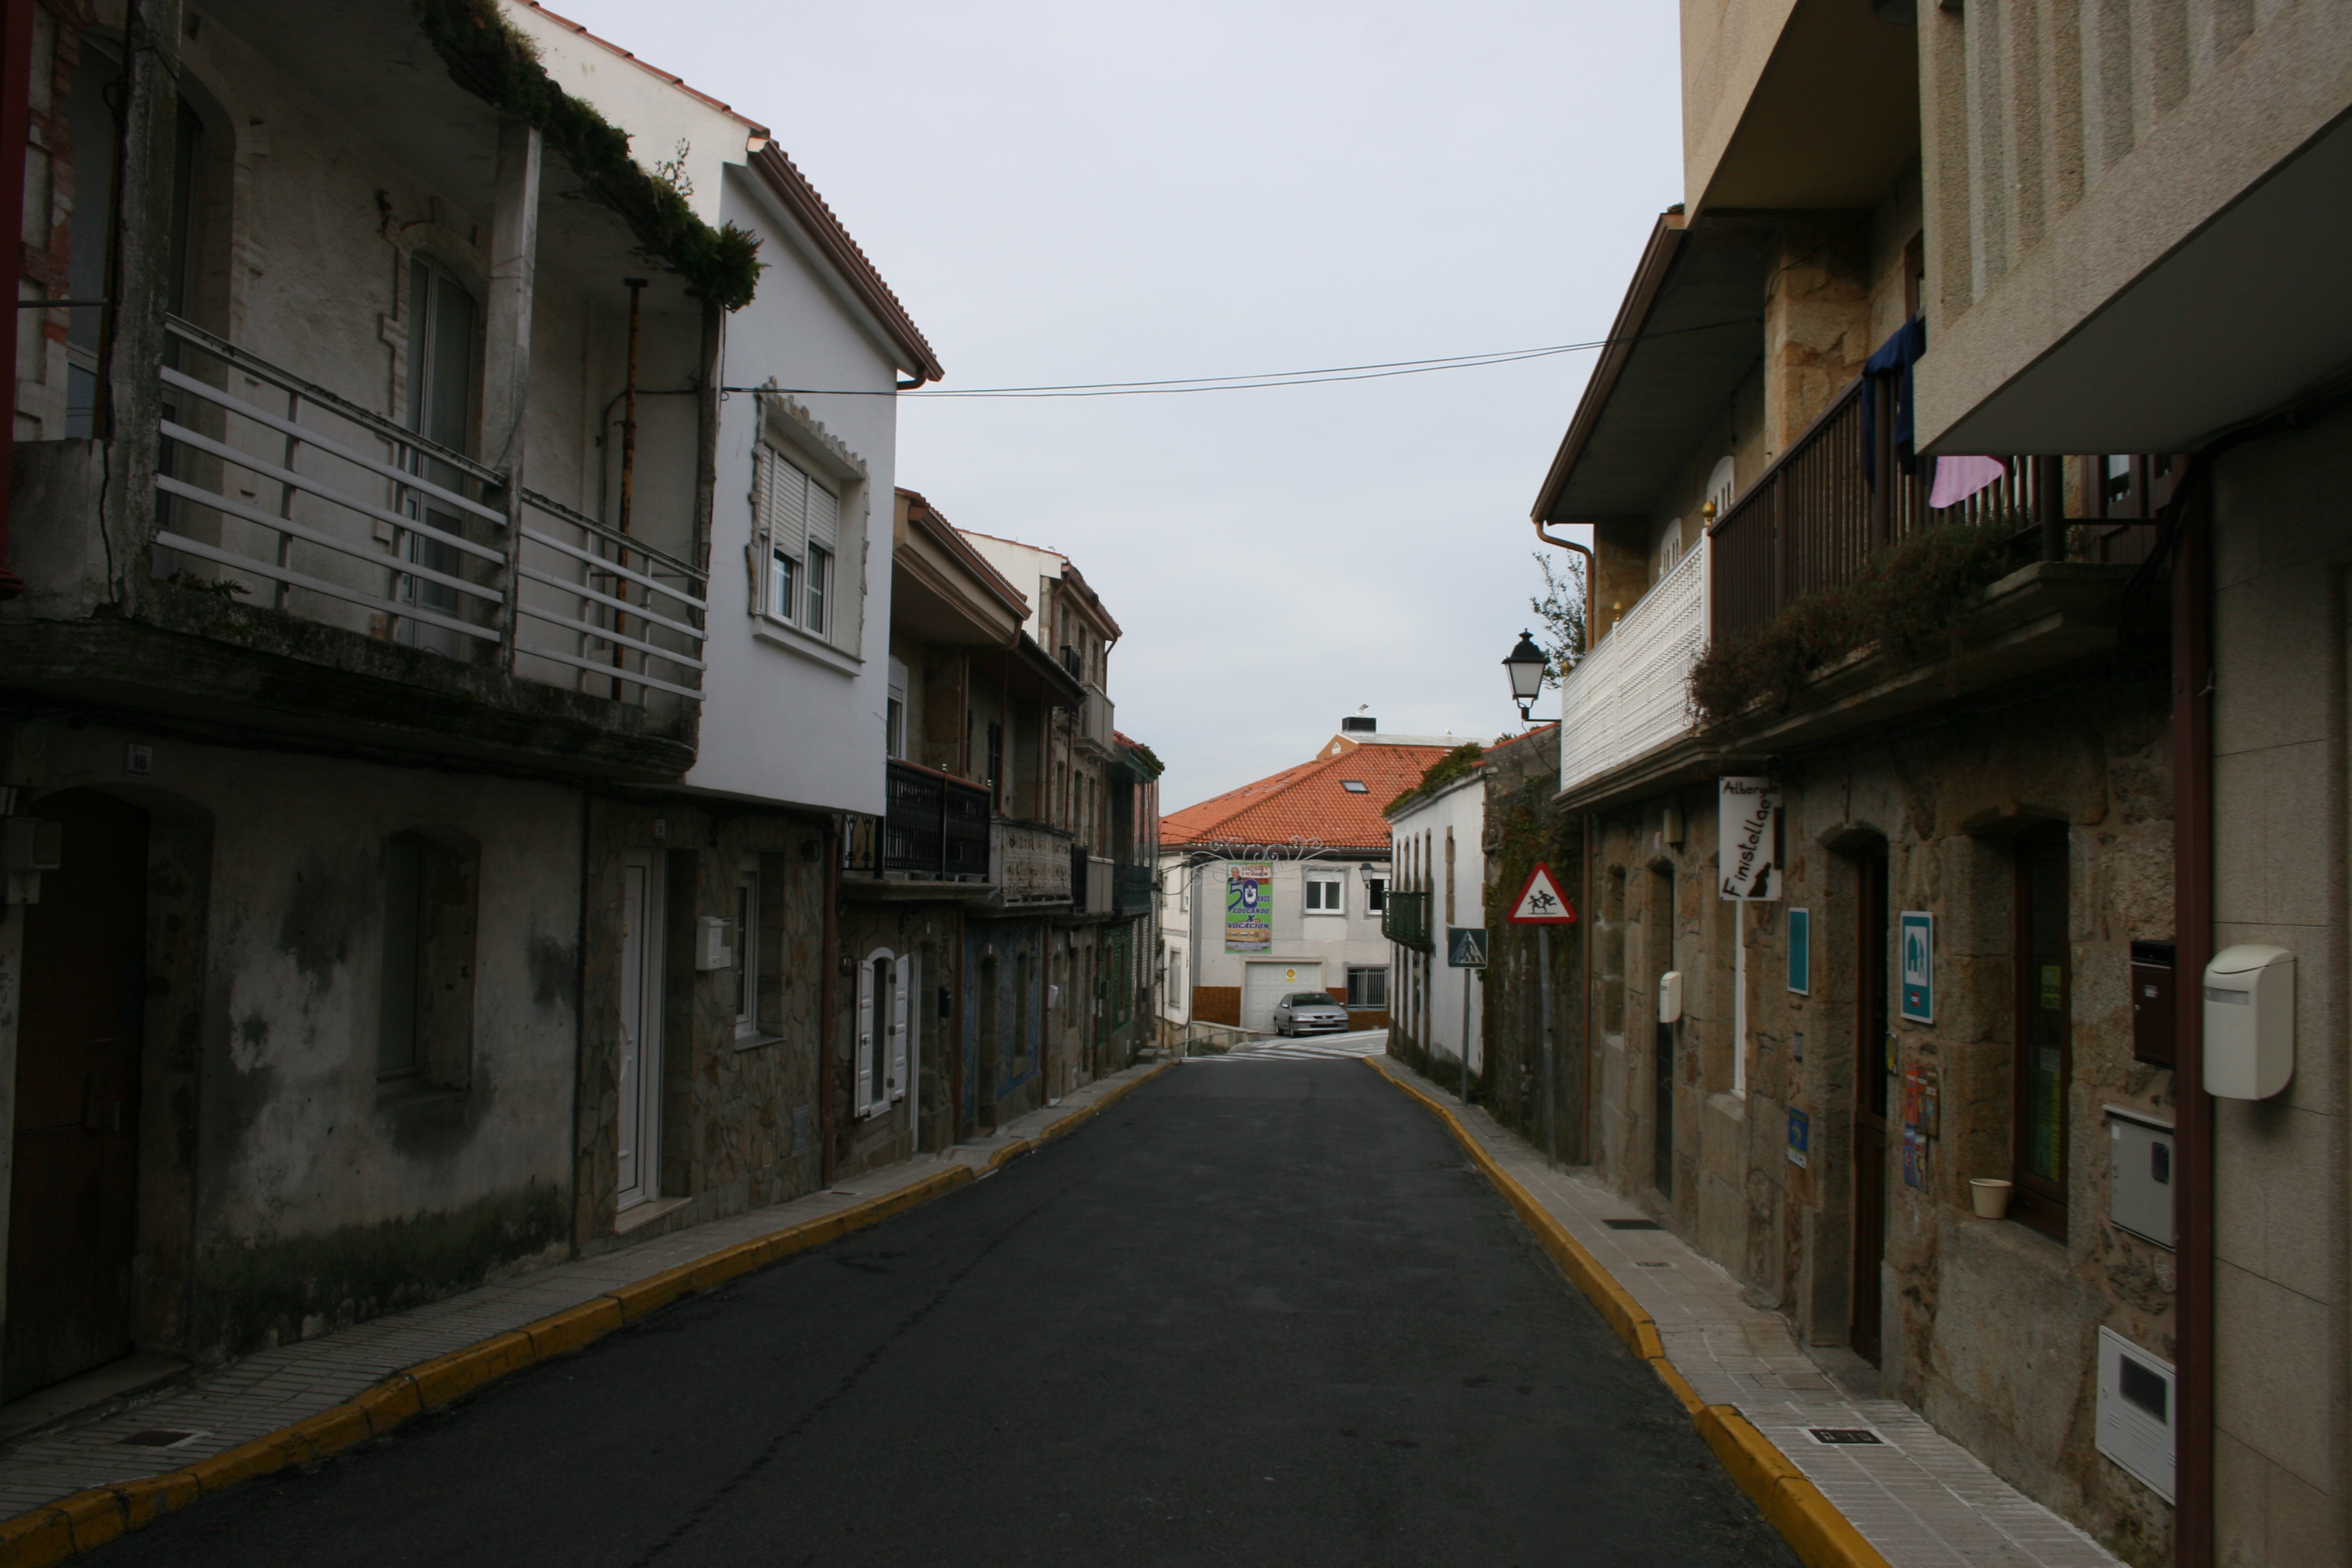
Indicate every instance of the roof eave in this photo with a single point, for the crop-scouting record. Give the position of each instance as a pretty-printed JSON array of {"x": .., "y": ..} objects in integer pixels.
[
  {"x": 824, "y": 231},
  {"x": 1649, "y": 277}
]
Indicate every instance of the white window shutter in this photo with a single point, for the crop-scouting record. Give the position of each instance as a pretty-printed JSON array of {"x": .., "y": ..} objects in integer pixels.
[
  {"x": 788, "y": 488},
  {"x": 898, "y": 1030},
  {"x": 866, "y": 1021}
]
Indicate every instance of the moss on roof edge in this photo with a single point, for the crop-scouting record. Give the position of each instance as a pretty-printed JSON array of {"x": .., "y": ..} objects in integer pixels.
[{"x": 490, "y": 59}]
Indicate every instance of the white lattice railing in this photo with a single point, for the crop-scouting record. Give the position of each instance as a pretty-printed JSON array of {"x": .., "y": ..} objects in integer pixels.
[{"x": 1632, "y": 693}]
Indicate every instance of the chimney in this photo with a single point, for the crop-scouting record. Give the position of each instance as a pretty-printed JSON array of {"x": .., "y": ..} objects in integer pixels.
[{"x": 1359, "y": 724}]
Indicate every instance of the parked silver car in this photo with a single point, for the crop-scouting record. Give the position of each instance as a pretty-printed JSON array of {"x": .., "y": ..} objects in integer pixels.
[{"x": 1308, "y": 1013}]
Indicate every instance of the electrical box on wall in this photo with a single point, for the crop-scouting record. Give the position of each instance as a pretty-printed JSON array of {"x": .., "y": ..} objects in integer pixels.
[
  {"x": 2136, "y": 1411},
  {"x": 2249, "y": 1022},
  {"x": 712, "y": 950},
  {"x": 1670, "y": 997},
  {"x": 2152, "y": 1003},
  {"x": 2139, "y": 1197}
]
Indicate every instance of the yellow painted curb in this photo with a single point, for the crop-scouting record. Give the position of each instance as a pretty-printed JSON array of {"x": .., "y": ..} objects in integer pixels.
[
  {"x": 35, "y": 1540},
  {"x": 1811, "y": 1524}
]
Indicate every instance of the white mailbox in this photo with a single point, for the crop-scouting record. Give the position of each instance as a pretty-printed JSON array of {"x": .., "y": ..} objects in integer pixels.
[
  {"x": 2249, "y": 1022},
  {"x": 712, "y": 946},
  {"x": 1670, "y": 997}
]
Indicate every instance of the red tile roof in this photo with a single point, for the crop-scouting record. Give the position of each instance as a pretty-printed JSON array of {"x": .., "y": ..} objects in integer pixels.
[{"x": 1309, "y": 801}]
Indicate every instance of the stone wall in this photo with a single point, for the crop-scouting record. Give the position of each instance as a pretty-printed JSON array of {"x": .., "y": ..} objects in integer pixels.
[{"x": 1989, "y": 1327}]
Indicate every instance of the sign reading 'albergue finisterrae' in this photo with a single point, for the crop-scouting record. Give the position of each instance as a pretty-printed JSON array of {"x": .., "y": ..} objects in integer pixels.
[{"x": 1747, "y": 818}]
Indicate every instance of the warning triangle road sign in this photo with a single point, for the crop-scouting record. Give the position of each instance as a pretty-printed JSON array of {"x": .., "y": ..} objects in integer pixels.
[{"x": 1541, "y": 902}]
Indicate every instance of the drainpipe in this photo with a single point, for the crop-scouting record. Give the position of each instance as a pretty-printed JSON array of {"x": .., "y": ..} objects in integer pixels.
[
  {"x": 2192, "y": 874},
  {"x": 637, "y": 288},
  {"x": 16, "y": 84},
  {"x": 1591, "y": 572}
]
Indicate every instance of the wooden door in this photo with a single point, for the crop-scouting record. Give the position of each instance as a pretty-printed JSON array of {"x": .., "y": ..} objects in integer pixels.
[
  {"x": 1872, "y": 1083},
  {"x": 73, "y": 1192}
]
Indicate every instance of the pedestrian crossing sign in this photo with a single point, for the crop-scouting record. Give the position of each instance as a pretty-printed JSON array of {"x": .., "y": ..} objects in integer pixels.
[
  {"x": 1542, "y": 903},
  {"x": 1465, "y": 947}
]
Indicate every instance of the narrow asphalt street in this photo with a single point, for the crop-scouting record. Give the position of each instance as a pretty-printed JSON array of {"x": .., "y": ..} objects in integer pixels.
[{"x": 1259, "y": 1313}]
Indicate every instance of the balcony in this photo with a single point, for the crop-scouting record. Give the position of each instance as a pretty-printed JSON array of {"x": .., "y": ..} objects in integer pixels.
[
  {"x": 1102, "y": 887},
  {"x": 1032, "y": 864},
  {"x": 1818, "y": 515},
  {"x": 1405, "y": 920},
  {"x": 273, "y": 494},
  {"x": 1095, "y": 712},
  {"x": 934, "y": 828},
  {"x": 1135, "y": 890},
  {"x": 1631, "y": 694}
]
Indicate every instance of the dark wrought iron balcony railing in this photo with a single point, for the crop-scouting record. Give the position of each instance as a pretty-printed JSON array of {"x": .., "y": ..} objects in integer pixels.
[
  {"x": 934, "y": 826},
  {"x": 1134, "y": 889},
  {"x": 1405, "y": 920}
]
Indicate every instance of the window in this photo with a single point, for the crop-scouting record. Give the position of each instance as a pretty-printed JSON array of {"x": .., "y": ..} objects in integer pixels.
[
  {"x": 798, "y": 519},
  {"x": 1376, "y": 895},
  {"x": 1368, "y": 988},
  {"x": 820, "y": 582},
  {"x": 1670, "y": 546},
  {"x": 441, "y": 409},
  {"x": 424, "y": 1036},
  {"x": 1326, "y": 896},
  {"x": 1355, "y": 787},
  {"x": 745, "y": 972},
  {"x": 894, "y": 714},
  {"x": 2044, "y": 1030}
]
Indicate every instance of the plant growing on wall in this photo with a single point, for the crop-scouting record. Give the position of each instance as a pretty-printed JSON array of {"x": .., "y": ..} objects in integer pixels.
[
  {"x": 1906, "y": 605},
  {"x": 1561, "y": 612},
  {"x": 1462, "y": 758},
  {"x": 499, "y": 65}
]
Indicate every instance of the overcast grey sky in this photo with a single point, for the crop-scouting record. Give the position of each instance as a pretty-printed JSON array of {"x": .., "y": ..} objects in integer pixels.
[{"x": 1065, "y": 192}]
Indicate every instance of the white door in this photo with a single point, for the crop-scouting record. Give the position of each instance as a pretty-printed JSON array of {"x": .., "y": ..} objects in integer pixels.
[
  {"x": 1264, "y": 985},
  {"x": 901, "y": 976},
  {"x": 638, "y": 1134},
  {"x": 876, "y": 966}
]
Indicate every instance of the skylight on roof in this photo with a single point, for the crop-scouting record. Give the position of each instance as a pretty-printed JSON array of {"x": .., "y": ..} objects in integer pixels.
[{"x": 1355, "y": 787}]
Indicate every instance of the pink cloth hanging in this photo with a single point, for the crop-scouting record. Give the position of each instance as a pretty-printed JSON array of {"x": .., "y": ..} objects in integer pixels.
[{"x": 1958, "y": 478}]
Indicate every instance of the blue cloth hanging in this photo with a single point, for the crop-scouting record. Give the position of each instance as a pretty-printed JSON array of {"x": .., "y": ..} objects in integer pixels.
[{"x": 1895, "y": 357}]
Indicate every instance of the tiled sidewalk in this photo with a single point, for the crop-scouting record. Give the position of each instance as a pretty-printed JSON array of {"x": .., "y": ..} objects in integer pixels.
[
  {"x": 1921, "y": 1500},
  {"x": 269, "y": 1392}
]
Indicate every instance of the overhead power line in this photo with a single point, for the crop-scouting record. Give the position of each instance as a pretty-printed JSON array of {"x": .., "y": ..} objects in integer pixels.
[{"x": 1377, "y": 371}]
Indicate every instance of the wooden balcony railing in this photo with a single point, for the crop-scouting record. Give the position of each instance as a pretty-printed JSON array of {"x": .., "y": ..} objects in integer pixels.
[{"x": 1818, "y": 514}]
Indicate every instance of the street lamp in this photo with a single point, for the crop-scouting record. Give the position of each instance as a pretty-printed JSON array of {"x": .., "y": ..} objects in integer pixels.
[{"x": 1526, "y": 664}]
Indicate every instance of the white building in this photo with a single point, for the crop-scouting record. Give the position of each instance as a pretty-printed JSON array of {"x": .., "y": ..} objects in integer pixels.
[
  {"x": 1280, "y": 886},
  {"x": 1439, "y": 1011}
]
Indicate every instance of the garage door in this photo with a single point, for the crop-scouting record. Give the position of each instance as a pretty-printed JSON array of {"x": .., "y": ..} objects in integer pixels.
[{"x": 1267, "y": 984}]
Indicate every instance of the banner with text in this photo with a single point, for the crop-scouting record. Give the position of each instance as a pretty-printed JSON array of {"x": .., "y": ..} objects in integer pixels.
[
  {"x": 1249, "y": 908},
  {"x": 1748, "y": 821}
]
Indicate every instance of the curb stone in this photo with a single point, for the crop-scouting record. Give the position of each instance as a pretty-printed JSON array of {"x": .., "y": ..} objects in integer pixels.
[
  {"x": 86, "y": 1520},
  {"x": 1811, "y": 1525}
]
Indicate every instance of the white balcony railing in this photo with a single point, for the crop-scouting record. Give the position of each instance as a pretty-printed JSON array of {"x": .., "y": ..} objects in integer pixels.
[
  {"x": 277, "y": 491},
  {"x": 1095, "y": 720},
  {"x": 1632, "y": 693}
]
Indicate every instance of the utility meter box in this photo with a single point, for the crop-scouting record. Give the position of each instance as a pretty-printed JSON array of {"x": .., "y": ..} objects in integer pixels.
[
  {"x": 1670, "y": 997},
  {"x": 712, "y": 950},
  {"x": 2151, "y": 994},
  {"x": 2139, "y": 1198},
  {"x": 30, "y": 843},
  {"x": 2249, "y": 1022},
  {"x": 2136, "y": 1411}
]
